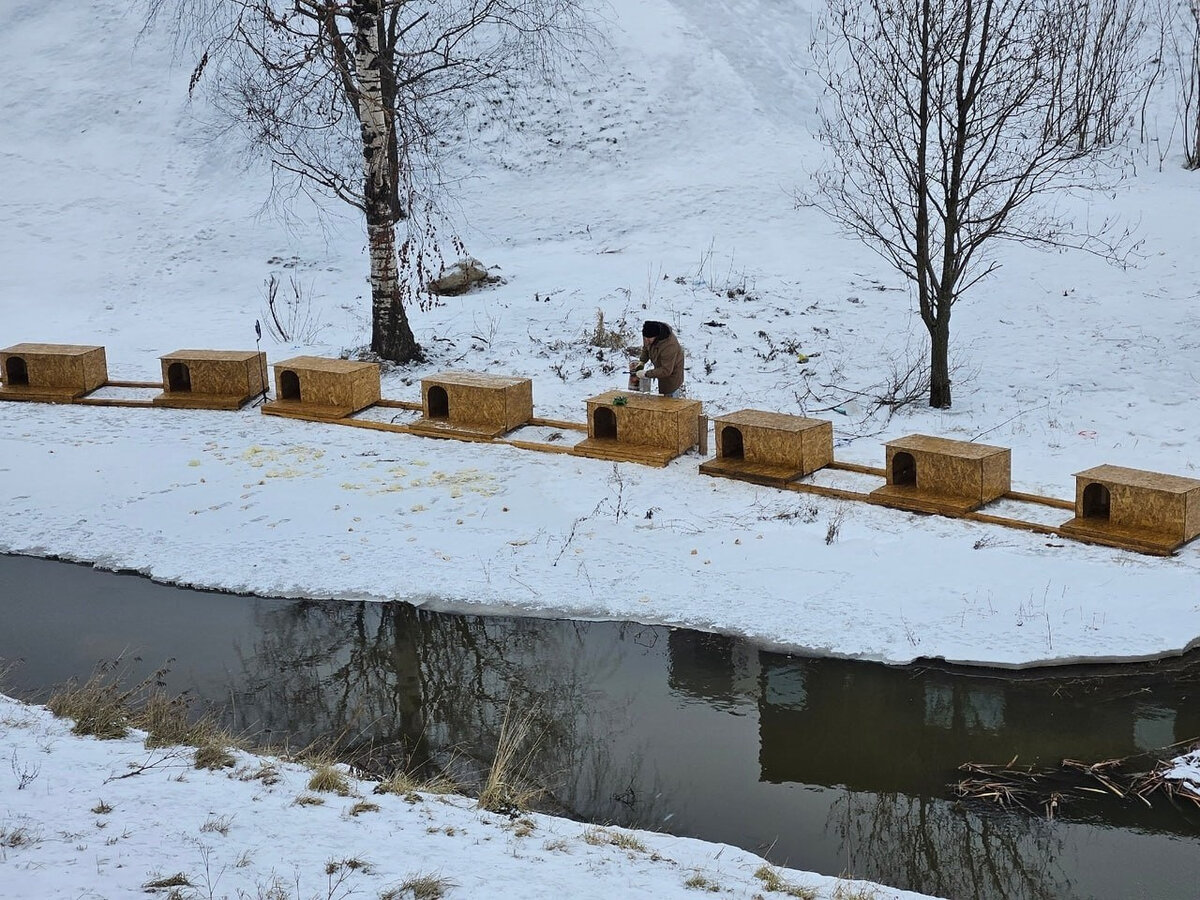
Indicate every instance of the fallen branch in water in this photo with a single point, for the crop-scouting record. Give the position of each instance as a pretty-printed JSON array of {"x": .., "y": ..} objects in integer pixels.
[{"x": 1043, "y": 790}]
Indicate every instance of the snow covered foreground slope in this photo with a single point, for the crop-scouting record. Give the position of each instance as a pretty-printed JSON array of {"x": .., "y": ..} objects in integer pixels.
[
  {"x": 658, "y": 185},
  {"x": 113, "y": 819}
]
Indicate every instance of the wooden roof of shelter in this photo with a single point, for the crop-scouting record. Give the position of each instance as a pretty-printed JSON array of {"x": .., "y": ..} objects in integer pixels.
[
  {"x": 639, "y": 400},
  {"x": 54, "y": 349},
  {"x": 215, "y": 355},
  {"x": 1171, "y": 484},
  {"x": 773, "y": 420},
  {"x": 324, "y": 364},
  {"x": 475, "y": 379},
  {"x": 930, "y": 444}
]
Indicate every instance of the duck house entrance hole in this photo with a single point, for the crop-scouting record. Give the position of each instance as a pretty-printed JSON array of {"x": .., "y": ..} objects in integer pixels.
[
  {"x": 289, "y": 385},
  {"x": 439, "y": 402},
  {"x": 179, "y": 377},
  {"x": 732, "y": 446},
  {"x": 16, "y": 372},
  {"x": 1097, "y": 502},
  {"x": 605, "y": 421},
  {"x": 904, "y": 469}
]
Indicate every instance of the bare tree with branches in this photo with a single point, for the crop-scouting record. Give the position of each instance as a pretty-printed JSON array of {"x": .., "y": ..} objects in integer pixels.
[
  {"x": 1180, "y": 23},
  {"x": 945, "y": 120},
  {"x": 350, "y": 100}
]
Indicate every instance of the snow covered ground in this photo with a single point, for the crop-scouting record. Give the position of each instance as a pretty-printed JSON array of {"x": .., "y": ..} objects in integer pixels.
[
  {"x": 659, "y": 185},
  {"x": 88, "y": 819}
]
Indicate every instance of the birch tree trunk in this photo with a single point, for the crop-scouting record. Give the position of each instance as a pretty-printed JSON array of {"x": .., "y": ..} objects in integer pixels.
[{"x": 391, "y": 335}]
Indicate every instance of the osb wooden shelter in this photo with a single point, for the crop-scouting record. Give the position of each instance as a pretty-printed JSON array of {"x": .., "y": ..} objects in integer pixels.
[
  {"x": 637, "y": 427},
  {"x": 938, "y": 475},
  {"x": 326, "y": 388},
  {"x": 1145, "y": 511},
  {"x": 212, "y": 379},
  {"x": 768, "y": 447},
  {"x": 474, "y": 404},
  {"x": 51, "y": 373}
]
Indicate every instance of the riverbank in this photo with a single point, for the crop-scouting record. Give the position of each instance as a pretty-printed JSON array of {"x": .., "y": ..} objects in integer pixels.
[{"x": 110, "y": 818}]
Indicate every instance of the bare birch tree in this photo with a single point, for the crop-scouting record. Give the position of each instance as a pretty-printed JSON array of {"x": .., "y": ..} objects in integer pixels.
[
  {"x": 945, "y": 123},
  {"x": 350, "y": 99}
]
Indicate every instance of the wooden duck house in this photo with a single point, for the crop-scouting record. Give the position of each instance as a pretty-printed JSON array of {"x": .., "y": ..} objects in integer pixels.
[
  {"x": 937, "y": 475},
  {"x": 212, "y": 379},
  {"x": 51, "y": 373},
  {"x": 1139, "y": 510},
  {"x": 637, "y": 427},
  {"x": 473, "y": 404},
  {"x": 769, "y": 448},
  {"x": 326, "y": 388}
]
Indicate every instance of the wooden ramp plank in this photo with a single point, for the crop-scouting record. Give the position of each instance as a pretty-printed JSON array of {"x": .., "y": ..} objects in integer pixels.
[
  {"x": 299, "y": 410},
  {"x": 113, "y": 401},
  {"x": 40, "y": 395},
  {"x": 914, "y": 500},
  {"x": 755, "y": 473},
  {"x": 446, "y": 428},
  {"x": 181, "y": 400},
  {"x": 1100, "y": 531},
  {"x": 620, "y": 451}
]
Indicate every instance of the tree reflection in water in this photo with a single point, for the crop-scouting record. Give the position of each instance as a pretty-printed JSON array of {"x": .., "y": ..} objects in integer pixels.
[
  {"x": 936, "y": 847},
  {"x": 399, "y": 687}
]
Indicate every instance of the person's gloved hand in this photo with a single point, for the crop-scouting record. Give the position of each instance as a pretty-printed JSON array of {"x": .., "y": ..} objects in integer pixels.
[{"x": 641, "y": 373}]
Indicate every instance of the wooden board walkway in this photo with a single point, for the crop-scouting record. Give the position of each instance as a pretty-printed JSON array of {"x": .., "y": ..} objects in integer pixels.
[{"x": 1080, "y": 530}]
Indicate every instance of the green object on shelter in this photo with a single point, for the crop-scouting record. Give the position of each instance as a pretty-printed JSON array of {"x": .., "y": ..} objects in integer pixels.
[{"x": 620, "y": 401}]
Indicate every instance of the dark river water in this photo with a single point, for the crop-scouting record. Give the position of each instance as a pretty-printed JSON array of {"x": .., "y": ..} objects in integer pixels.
[{"x": 833, "y": 766}]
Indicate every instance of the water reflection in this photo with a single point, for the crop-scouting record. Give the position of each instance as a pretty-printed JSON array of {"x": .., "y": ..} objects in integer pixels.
[{"x": 829, "y": 765}]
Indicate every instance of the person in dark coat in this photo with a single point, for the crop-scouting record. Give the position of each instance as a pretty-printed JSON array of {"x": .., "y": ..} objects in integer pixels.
[{"x": 661, "y": 358}]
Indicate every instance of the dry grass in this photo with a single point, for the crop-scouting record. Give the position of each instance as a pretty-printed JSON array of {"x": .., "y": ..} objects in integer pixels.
[
  {"x": 218, "y": 825},
  {"x": 309, "y": 800},
  {"x": 102, "y": 809},
  {"x": 362, "y": 806},
  {"x": 854, "y": 892},
  {"x": 773, "y": 881},
  {"x": 611, "y": 338},
  {"x": 214, "y": 755},
  {"x": 165, "y": 721},
  {"x": 524, "y": 827},
  {"x": 698, "y": 882},
  {"x": 601, "y": 836},
  {"x": 407, "y": 784},
  {"x": 327, "y": 778},
  {"x": 508, "y": 787},
  {"x": 171, "y": 881},
  {"x": 267, "y": 773},
  {"x": 420, "y": 887},
  {"x": 103, "y": 708},
  {"x": 100, "y": 706},
  {"x": 14, "y": 838}
]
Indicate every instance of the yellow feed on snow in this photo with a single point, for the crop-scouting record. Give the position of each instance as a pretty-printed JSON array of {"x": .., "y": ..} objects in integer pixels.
[{"x": 293, "y": 462}]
